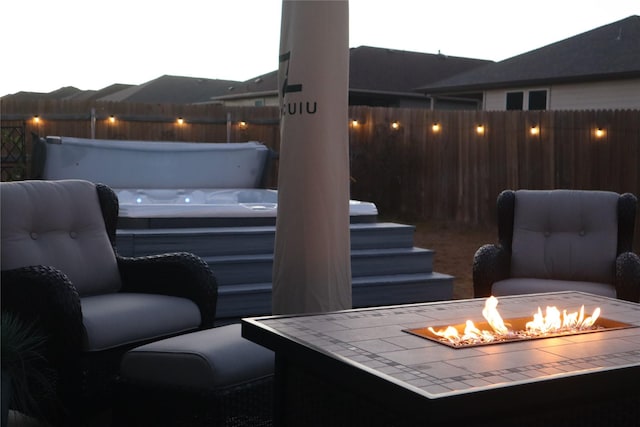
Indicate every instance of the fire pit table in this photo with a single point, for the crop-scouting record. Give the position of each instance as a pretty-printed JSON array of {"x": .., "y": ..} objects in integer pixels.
[{"x": 362, "y": 367}]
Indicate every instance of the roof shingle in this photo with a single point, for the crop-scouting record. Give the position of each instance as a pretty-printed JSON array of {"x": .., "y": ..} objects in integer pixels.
[{"x": 610, "y": 51}]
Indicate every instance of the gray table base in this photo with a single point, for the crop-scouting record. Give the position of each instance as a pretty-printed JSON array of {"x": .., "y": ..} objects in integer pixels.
[{"x": 317, "y": 401}]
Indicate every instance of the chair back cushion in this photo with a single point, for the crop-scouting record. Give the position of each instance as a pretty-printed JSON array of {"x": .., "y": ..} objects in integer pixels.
[
  {"x": 59, "y": 224},
  {"x": 565, "y": 235}
]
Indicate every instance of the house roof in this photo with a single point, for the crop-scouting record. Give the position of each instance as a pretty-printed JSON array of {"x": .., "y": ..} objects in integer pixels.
[
  {"x": 90, "y": 95},
  {"x": 376, "y": 70},
  {"x": 165, "y": 89},
  {"x": 399, "y": 71},
  {"x": 66, "y": 92},
  {"x": 263, "y": 84},
  {"x": 372, "y": 70},
  {"x": 69, "y": 93},
  {"x": 173, "y": 89},
  {"x": 610, "y": 51}
]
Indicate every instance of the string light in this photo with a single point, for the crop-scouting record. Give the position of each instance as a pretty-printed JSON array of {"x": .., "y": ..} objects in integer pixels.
[
  {"x": 180, "y": 121},
  {"x": 480, "y": 129},
  {"x": 435, "y": 127},
  {"x": 395, "y": 125},
  {"x": 535, "y": 130}
]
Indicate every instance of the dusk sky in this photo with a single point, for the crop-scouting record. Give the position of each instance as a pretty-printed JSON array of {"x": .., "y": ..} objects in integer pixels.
[{"x": 91, "y": 45}]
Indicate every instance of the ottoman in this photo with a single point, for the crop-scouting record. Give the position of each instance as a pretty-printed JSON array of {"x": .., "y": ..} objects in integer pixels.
[{"x": 212, "y": 377}]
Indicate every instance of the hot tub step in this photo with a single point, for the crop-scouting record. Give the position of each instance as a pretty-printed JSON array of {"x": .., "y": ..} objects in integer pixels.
[
  {"x": 372, "y": 291},
  {"x": 201, "y": 241},
  {"x": 251, "y": 299},
  {"x": 212, "y": 241},
  {"x": 385, "y": 266},
  {"x": 254, "y": 299},
  {"x": 234, "y": 269},
  {"x": 372, "y": 262}
]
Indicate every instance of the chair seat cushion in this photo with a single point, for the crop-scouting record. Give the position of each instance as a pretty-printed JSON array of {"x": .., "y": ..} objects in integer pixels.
[
  {"x": 116, "y": 319},
  {"x": 205, "y": 360},
  {"x": 519, "y": 286}
]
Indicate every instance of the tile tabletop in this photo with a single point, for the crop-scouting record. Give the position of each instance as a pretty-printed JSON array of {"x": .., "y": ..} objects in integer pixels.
[{"x": 374, "y": 340}]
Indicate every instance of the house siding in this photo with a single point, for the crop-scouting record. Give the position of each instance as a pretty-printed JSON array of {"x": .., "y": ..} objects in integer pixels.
[
  {"x": 396, "y": 101},
  {"x": 620, "y": 94},
  {"x": 616, "y": 94},
  {"x": 270, "y": 101}
]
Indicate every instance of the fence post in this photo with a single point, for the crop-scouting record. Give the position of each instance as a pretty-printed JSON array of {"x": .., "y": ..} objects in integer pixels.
[{"x": 93, "y": 123}]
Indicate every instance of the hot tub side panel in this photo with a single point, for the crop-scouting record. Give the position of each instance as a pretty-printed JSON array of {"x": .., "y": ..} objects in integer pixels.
[{"x": 148, "y": 164}]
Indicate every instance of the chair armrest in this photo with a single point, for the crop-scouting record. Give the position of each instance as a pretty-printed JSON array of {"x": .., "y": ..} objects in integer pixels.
[
  {"x": 490, "y": 264},
  {"x": 628, "y": 276},
  {"x": 179, "y": 274},
  {"x": 45, "y": 295}
]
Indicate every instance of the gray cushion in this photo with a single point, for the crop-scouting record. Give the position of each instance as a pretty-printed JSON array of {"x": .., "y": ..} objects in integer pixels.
[
  {"x": 209, "y": 359},
  {"x": 59, "y": 224},
  {"x": 534, "y": 286},
  {"x": 116, "y": 319},
  {"x": 565, "y": 235}
]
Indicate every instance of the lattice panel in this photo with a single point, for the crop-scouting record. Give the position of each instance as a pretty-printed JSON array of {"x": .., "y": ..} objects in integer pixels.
[{"x": 13, "y": 153}]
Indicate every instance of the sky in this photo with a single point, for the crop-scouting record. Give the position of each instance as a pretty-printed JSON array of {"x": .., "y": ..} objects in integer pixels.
[{"x": 90, "y": 45}]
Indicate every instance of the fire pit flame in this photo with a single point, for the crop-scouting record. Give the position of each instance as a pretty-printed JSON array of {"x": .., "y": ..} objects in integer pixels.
[
  {"x": 551, "y": 322},
  {"x": 491, "y": 314},
  {"x": 554, "y": 322}
]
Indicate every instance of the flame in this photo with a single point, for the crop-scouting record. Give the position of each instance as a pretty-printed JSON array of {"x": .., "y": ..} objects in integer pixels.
[
  {"x": 552, "y": 321},
  {"x": 491, "y": 314},
  {"x": 450, "y": 333},
  {"x": 471, "y": 331}
]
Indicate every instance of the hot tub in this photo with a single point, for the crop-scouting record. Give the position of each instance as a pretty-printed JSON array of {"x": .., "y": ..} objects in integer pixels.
[
  {"x": 167, "y": 203},
  {"x": 157, "y": 208},
  {"x": 176, "y": 184}
]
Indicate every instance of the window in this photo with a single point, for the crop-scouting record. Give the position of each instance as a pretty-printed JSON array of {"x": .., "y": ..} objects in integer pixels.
[
  {"x": 515, "y": 100},
  {"x": 527, "y": 100},
  {"x": 538, "y": 100}
]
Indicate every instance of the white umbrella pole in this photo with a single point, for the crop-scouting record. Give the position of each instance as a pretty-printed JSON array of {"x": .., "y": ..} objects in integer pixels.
[{"x": 312, "y": 261}]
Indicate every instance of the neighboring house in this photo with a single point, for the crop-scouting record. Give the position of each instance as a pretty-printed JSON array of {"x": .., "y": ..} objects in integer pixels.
[
  {"x": 259, "y": 91},
  {"x": 598, "y": 69},
  {"x": 164, "y": 89},
  {"x": 92, "y": 95},
  {"x": 173, "y": 90},
  {"x": 68, "y": 93},
  {"x": 377, "y": 77}
]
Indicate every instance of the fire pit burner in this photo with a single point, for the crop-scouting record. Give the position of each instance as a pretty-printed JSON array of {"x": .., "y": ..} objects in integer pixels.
[
  {"x": 548, "y": 324},
  {"x": 517, "y": 332}
]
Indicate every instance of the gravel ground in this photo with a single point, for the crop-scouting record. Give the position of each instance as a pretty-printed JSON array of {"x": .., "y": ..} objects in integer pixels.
[{"x": 454, "y": 245}]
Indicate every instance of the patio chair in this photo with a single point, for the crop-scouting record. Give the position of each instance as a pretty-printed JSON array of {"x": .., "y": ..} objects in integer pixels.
[
  {"x": 60, "y": 268},
  {"x": 560, "y": 240}
]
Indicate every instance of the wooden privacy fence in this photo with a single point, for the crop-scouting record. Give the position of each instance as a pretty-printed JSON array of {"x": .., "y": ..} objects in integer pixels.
[
  {"x": 136, "y": 121},
  {"x": 421, "y": 171},
  {"x": 415, "y": 164}
]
